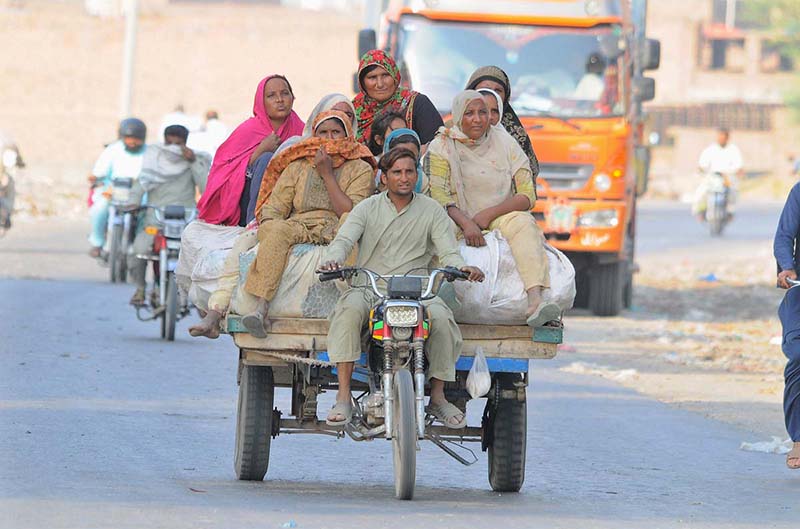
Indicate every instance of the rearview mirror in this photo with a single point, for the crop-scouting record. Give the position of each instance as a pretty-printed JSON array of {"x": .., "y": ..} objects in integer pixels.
[
  {"x": 650, "y": 54},
  {"x": 644, "y": 88},
  {"x": 367, "y": 40}
]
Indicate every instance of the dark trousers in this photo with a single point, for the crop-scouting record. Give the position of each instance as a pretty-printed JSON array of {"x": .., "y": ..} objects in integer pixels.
[{"x": 789, "y": 313}]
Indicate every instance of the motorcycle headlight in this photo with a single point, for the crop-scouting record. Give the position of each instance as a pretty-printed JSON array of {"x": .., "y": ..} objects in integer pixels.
[
  {"x": 401, "y": 316},
  {"x": 602, "y": 182},
  {"x": 601, "y": 218}
]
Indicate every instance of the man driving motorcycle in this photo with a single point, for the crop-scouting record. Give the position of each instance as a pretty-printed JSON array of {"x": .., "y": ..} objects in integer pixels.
[
  {"x": 720, "y": 157},
  {"x": 120, "y": 159},
  {"x": 396, "y": 231},
  {"x": 171, "y": 174}
]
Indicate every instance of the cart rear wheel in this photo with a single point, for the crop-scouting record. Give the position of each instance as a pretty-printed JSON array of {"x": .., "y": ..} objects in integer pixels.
[
  {"x": 404, "y": 436},
  {"x": 507, "y": 451},
  {"x": 254, "y": 423}
]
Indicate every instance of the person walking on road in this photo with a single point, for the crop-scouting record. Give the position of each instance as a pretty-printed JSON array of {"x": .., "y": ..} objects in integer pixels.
[{"x": 786, "y": 254}]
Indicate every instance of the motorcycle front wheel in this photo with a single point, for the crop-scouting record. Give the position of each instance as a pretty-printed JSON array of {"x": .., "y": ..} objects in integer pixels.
[
  {"x": 171, "y": 311},
  {"x": 404, "y": 438},
  {"x": 115, "y": 256}
]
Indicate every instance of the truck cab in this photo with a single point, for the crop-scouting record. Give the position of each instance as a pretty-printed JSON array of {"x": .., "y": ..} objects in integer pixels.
[{"x": 576, "y": 85}]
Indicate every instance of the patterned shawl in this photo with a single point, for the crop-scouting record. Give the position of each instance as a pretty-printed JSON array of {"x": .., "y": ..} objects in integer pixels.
[
  {"x": 340, "y": 151},
  {"x": 368, "y": 108},
  {"x": 510, "y": 121}
]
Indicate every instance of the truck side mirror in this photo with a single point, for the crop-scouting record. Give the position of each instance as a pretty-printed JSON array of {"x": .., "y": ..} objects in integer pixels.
[
  {"x": 651, "y": 54},
  {"x": 641, "y": 157},
  {"x": 367, "y": 40},
  {"x": 644, "y": 88}
]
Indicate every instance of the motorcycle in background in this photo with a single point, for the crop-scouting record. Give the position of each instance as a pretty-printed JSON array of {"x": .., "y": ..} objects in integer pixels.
[
  {"x": 171, "y": 221},
  {"x": 121, "y": 229},
  {"x": 718, "y": 203},
  {"x": 11, "y": 161}
]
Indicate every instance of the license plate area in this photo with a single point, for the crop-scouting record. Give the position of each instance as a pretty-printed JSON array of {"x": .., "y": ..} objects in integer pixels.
[{"x": 560, "y": 218}]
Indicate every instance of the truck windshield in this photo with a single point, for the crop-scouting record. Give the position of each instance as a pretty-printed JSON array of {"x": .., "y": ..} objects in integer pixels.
[{"x": 554, "y": 71}]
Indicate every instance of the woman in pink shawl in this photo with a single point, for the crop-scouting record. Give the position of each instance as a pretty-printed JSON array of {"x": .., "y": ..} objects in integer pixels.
[{"x": 227, "y": 192}]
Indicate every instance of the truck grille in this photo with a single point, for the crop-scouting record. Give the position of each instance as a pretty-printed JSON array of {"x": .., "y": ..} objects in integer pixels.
[{"x": 565, "y": 176}]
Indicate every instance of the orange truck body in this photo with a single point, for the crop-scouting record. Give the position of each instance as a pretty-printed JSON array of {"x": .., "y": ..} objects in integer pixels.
[{"x": 592, "y": 167}]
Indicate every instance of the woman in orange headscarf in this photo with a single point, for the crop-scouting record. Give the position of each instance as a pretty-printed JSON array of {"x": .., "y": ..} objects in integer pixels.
[{"x": 305, "y": 191}]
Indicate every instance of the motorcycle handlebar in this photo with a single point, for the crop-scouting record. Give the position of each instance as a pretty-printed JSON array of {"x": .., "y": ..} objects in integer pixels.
[{"x": 450, "y": 273}]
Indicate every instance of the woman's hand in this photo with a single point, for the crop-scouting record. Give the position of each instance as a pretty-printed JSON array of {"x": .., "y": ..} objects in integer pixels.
[
  {"x": 472, "y": 234},
  {"x": 323, "y": 163},
  {"x": 270, "y": 143}
]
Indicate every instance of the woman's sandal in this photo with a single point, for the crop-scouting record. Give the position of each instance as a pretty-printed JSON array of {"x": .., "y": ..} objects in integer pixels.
[
  {"x": 547, "y": 311},
  {"x": 446, "y": 413},
  {"x": 793, "y": 458},
  {"x": 343, "y": 409}
]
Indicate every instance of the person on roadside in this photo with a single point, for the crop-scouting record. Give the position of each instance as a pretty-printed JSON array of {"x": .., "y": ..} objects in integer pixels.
[
  {"x": 396, "y": 231},
  {"x": 482, "y": 177},
  {"x": 381, "y": 92},
  {"x": 787, "y": 254},
  {"x": 228, "y": 191},
  {"x": 496, "y": 79},
  {"x": 213, "y": 133},
  {"x": 120, "y": 159},
  {"x": 721, "y": 157},
  {"x": 171, "y": 175},
  {"x": 220, "y": 299}
]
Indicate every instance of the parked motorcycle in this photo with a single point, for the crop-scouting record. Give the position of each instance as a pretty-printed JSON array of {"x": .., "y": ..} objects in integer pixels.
[
  {"x": 11, "y": 161},
  {"x": 394, "y": 406},
  {"x": 121, "y": 229},
  {"x": 717, "y": 203},
  {"x": 171, "y": 221}
]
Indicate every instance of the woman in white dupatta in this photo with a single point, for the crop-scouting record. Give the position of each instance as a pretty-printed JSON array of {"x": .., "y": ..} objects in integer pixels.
[{"x": 481, "y": 175}]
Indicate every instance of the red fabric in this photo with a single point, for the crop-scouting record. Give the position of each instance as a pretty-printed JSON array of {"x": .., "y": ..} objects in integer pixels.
[{"x": 220, "y": 201}]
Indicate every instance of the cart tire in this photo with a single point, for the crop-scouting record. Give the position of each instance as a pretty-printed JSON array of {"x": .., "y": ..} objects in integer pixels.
[
  {"x": 507, "y": 451},
  {"x": 605, "y": 290},
  {"x": 404, "y": 436},
  {"x": 254, "y": 423},
  {"x": 114, "y": 257},
  {"x": 171, "y": 313}
]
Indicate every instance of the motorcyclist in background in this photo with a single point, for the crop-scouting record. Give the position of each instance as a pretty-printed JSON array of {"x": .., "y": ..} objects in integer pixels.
[
  {"x": 11, "y": 160},
  {"x": 120, "y": 159},
  {"x": 720, "y": 157}
]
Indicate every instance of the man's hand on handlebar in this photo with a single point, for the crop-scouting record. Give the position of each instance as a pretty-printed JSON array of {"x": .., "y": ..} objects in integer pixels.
[
  {"x": 784, "y": 275},
  {"x": 475, "y": 273},
  {"x": 330, "y": 266}
]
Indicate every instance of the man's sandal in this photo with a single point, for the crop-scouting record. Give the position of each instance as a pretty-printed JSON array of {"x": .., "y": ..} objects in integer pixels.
[
  {"x": 446, "y": 413},
  {"x": 343, "y": 409},
  {"x": 793, "y": 458}
]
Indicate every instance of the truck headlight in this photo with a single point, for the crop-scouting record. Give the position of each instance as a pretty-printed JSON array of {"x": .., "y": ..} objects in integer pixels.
[
  {"x": 402, "y": 316},
  {"x": 602, "y": 182},
  {"x": 601, "y": 218}
]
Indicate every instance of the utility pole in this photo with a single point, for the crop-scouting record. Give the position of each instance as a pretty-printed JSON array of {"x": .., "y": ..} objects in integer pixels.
[
  {"x": 130, "y": 10},
  {"x": 730, "y": 14}
]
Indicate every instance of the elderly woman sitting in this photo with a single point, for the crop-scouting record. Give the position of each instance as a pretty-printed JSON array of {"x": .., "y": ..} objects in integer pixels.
[{"x": 479, "y": 173}]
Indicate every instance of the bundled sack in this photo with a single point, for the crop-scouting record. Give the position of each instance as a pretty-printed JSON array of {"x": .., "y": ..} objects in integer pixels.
[
  {"x": 501, "y": 298},
  {"x": 196, "y": 264},
  {"x": 300, "y": 294}
]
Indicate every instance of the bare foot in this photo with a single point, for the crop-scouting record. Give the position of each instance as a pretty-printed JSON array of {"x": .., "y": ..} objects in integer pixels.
[{"x": 208, "y": 326}]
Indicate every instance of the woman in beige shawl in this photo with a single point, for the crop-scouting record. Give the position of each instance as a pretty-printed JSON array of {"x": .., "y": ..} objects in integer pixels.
[{"x": 481, "y": 175}]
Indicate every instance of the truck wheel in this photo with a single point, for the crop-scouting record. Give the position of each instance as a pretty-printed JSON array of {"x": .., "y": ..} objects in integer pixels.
[
  {"x": 582, "y": 289},
  {"x": 254, "y": 423},
  {"x": 114, "y": 251},
  {"x": 605, "y": 290},
  {"x": 507, "y": 451},
  {"x": 627, "y": 294},
  {"x": 171, "y": 312}
]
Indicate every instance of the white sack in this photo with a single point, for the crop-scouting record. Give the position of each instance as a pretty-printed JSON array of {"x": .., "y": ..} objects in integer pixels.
[
  {"x": 479, "y": 381},
  {"x": 300, "y": 294},
  {"x": 198, "y": 241},
  {"x": 501, "y": 298}
]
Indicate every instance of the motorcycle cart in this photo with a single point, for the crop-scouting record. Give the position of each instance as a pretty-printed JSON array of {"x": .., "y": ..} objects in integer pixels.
[{"x": 293, "y": 356}]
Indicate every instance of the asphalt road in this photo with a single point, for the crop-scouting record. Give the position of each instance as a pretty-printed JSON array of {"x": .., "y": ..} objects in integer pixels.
[{"x": 104, "y": 425}]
